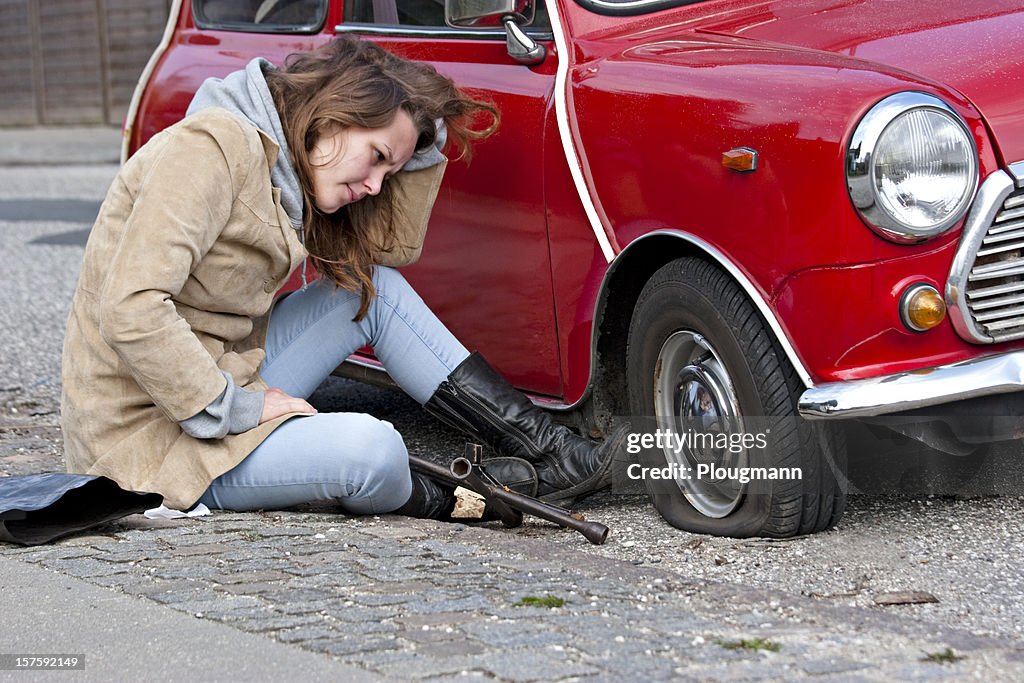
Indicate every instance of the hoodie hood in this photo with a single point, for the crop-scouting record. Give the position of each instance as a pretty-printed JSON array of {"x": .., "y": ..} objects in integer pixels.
[{"x": 245, "y": 94}]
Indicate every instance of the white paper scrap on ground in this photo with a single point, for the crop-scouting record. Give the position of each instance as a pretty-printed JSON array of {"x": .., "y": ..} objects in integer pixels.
[{"x": 164, "y": 512}]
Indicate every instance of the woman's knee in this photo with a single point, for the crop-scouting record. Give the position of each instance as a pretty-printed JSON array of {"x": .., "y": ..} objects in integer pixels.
[{"x": 386, "y": 481}]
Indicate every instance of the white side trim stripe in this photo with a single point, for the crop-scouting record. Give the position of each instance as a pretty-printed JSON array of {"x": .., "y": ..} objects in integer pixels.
[
  {"x": 562, "y": 115},
  {"x": 140, "y": 87}
]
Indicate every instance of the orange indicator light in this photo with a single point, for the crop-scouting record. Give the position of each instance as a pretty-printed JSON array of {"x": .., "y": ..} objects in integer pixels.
[
  {"x": 923, "y": 308},
  {"x": 740, "y": 159}
]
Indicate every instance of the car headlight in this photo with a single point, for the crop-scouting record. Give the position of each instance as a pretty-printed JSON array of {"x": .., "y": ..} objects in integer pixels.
[{"x": 911, "y": 167}]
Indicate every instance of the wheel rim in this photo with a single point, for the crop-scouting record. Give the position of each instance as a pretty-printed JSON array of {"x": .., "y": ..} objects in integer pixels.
[{"x": 694, "y": 392}]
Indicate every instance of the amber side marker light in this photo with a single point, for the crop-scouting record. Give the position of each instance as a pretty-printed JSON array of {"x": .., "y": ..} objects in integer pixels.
[
  {"x": 922, "y": 307},
  {"x": 741, "y": 159}
]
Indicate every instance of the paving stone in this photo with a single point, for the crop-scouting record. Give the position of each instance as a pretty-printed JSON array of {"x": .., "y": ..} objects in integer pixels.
[
  {"x": 442, "y": 604},
  {"x": 171, "y": 592},
  {"x": 682, "y": 625},
  {"x": 925, "y": 671},
  {"x": 281, "y": 623},
  {"x": 463, "y": 676},
  {"x": 298, "y": 607},
  {"x": 119, "y": 579},
  {"x": 307, "y": 633},
  {"x": 270, "y": 532},
  {"x": 404, "y": 661},
  {"x": 331, "y": 557},
  {"x": 282, "y": 594},
  {"x": 181, "y": 572},
  {"x": 634, "y": 667},
  {"x": 151, "y": 556},
  {"x": 357, "y": 614},
  {"x": 438, "y": 619},
  {"x": 379, "y": 599},
  {"x": 598, "y": 625},
  {"x": 538, "y": 666},
  {"x": 243, "y": 560},
  {"x": 235, "y": 615},
  {"x": 87, "y": 567},
  {"x": 445, "y": 549},
  {"x": 817, "y": 667},
  {"x": 727, "y": 673},
  {"x": 397, "y": 587},
  {"x": 44, "y": 553},
  {"x": 219, "y": 608},
  {"x": 342, "y": 646},
  {"x": 314, "y": 570},
  {"x": 616, "y": 645},
  {"x": 616, "y": 677},
  {"x": 396, "y": 532},
  {"x": 249, "y": 588},
  {"x": 521, "y": 566},
  {"x": 387, "y": 626},
  {"x": 199, "y": 549},
  {"x": 382, "y": 571},
  {"x": 515, "y": 634},
  {"x": 452, "y": 648},
  {"x": 90, "y": 540},
  {"x": 251, "y": 577}
]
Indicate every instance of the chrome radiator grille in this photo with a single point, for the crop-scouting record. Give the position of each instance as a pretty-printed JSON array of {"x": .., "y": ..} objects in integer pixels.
[{"x": 995, "y": 283}]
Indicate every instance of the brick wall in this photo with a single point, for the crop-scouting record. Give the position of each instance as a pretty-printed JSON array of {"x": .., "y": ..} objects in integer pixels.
[{"x": 74, "y": 61}]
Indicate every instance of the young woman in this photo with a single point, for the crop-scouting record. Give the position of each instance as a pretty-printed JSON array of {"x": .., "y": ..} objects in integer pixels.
[{"x": 174, "y": 337}]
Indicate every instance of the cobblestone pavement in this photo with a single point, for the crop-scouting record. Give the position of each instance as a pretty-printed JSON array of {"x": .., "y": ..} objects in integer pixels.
[
  {"x": 411, "y": 599},
  {"x": 418, "y": 600}
]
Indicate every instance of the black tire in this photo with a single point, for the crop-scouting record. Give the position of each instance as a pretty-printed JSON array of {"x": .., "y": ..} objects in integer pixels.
[{"x": 692, "y": 319}]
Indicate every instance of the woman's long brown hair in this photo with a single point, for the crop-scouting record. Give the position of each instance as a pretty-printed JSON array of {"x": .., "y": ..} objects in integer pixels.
[{"x": 353, "y": 83}]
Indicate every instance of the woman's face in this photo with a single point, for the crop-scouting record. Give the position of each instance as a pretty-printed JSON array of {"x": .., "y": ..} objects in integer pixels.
[{"x": 350, "y": 163}]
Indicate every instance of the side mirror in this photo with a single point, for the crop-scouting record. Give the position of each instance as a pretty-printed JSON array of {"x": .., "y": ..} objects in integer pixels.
[
  {"x": 512, "y": 14},
  {"x": 487, "y": 13}
]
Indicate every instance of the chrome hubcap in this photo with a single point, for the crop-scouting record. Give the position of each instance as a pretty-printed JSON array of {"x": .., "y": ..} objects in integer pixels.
[{"x": 695, "y": 400}]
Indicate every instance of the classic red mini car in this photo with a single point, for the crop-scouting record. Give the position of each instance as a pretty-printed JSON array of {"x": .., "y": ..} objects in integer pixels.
[{"x": 697, "y": 210}]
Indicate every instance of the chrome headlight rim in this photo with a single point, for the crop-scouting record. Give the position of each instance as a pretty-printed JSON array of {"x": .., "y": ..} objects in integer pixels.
[{"x": 860, "y": 167}]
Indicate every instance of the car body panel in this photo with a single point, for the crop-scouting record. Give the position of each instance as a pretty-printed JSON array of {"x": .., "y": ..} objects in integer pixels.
[
  {"x": 514, "y": 262},
  {"x": 485, "y": 268},
  {"x": 705, "y": 94},
  {"x": 963, "y": 45}
]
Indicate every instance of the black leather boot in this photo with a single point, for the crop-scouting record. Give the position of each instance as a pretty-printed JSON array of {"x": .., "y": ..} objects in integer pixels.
[
  {"x": 477, "y": 400},
  {"x": 430, "y": 499}
]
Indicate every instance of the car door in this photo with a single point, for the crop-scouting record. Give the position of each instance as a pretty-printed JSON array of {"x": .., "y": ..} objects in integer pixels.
[{"x": 485, "y": 269}]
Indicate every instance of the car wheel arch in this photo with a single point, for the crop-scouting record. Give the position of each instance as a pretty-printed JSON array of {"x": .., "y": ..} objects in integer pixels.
[{"x": 620, "y": 289}]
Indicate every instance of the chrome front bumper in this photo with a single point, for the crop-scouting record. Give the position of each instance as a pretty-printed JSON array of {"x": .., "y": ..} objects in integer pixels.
[{"x": 986, "y": 376}]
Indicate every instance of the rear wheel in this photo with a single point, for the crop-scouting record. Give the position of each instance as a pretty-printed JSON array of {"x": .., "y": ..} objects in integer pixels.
[{"x": 701, "y": 360}]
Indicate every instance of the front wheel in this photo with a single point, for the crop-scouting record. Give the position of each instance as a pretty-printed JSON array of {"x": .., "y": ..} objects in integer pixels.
[{"x": 701, "y": 362}]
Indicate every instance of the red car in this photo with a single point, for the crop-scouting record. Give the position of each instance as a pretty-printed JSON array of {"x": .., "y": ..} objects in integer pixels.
[{"x": 794, "y": 211}]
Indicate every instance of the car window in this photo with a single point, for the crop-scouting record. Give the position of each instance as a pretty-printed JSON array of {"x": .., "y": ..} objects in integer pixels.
[
  {"x": 261, "y": 16},
  {"x": 425, "y": 13}
]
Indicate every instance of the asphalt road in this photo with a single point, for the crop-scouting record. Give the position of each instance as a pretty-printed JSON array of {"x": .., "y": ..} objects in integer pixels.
[{"x": 965, "y": 550}]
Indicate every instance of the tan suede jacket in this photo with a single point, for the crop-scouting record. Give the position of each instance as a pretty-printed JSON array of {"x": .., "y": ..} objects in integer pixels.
[{"x": 179, "y": 275}]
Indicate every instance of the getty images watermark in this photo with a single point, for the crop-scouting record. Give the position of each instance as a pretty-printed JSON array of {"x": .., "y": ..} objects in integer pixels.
[{"x": 684, "y": 445}]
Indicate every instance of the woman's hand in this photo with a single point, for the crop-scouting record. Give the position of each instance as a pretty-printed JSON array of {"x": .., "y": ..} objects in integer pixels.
[{"x": 277, "y": 403}]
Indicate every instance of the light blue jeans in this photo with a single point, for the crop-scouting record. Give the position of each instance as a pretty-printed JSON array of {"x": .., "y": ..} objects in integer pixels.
[{"x": 353, "y": 459}]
